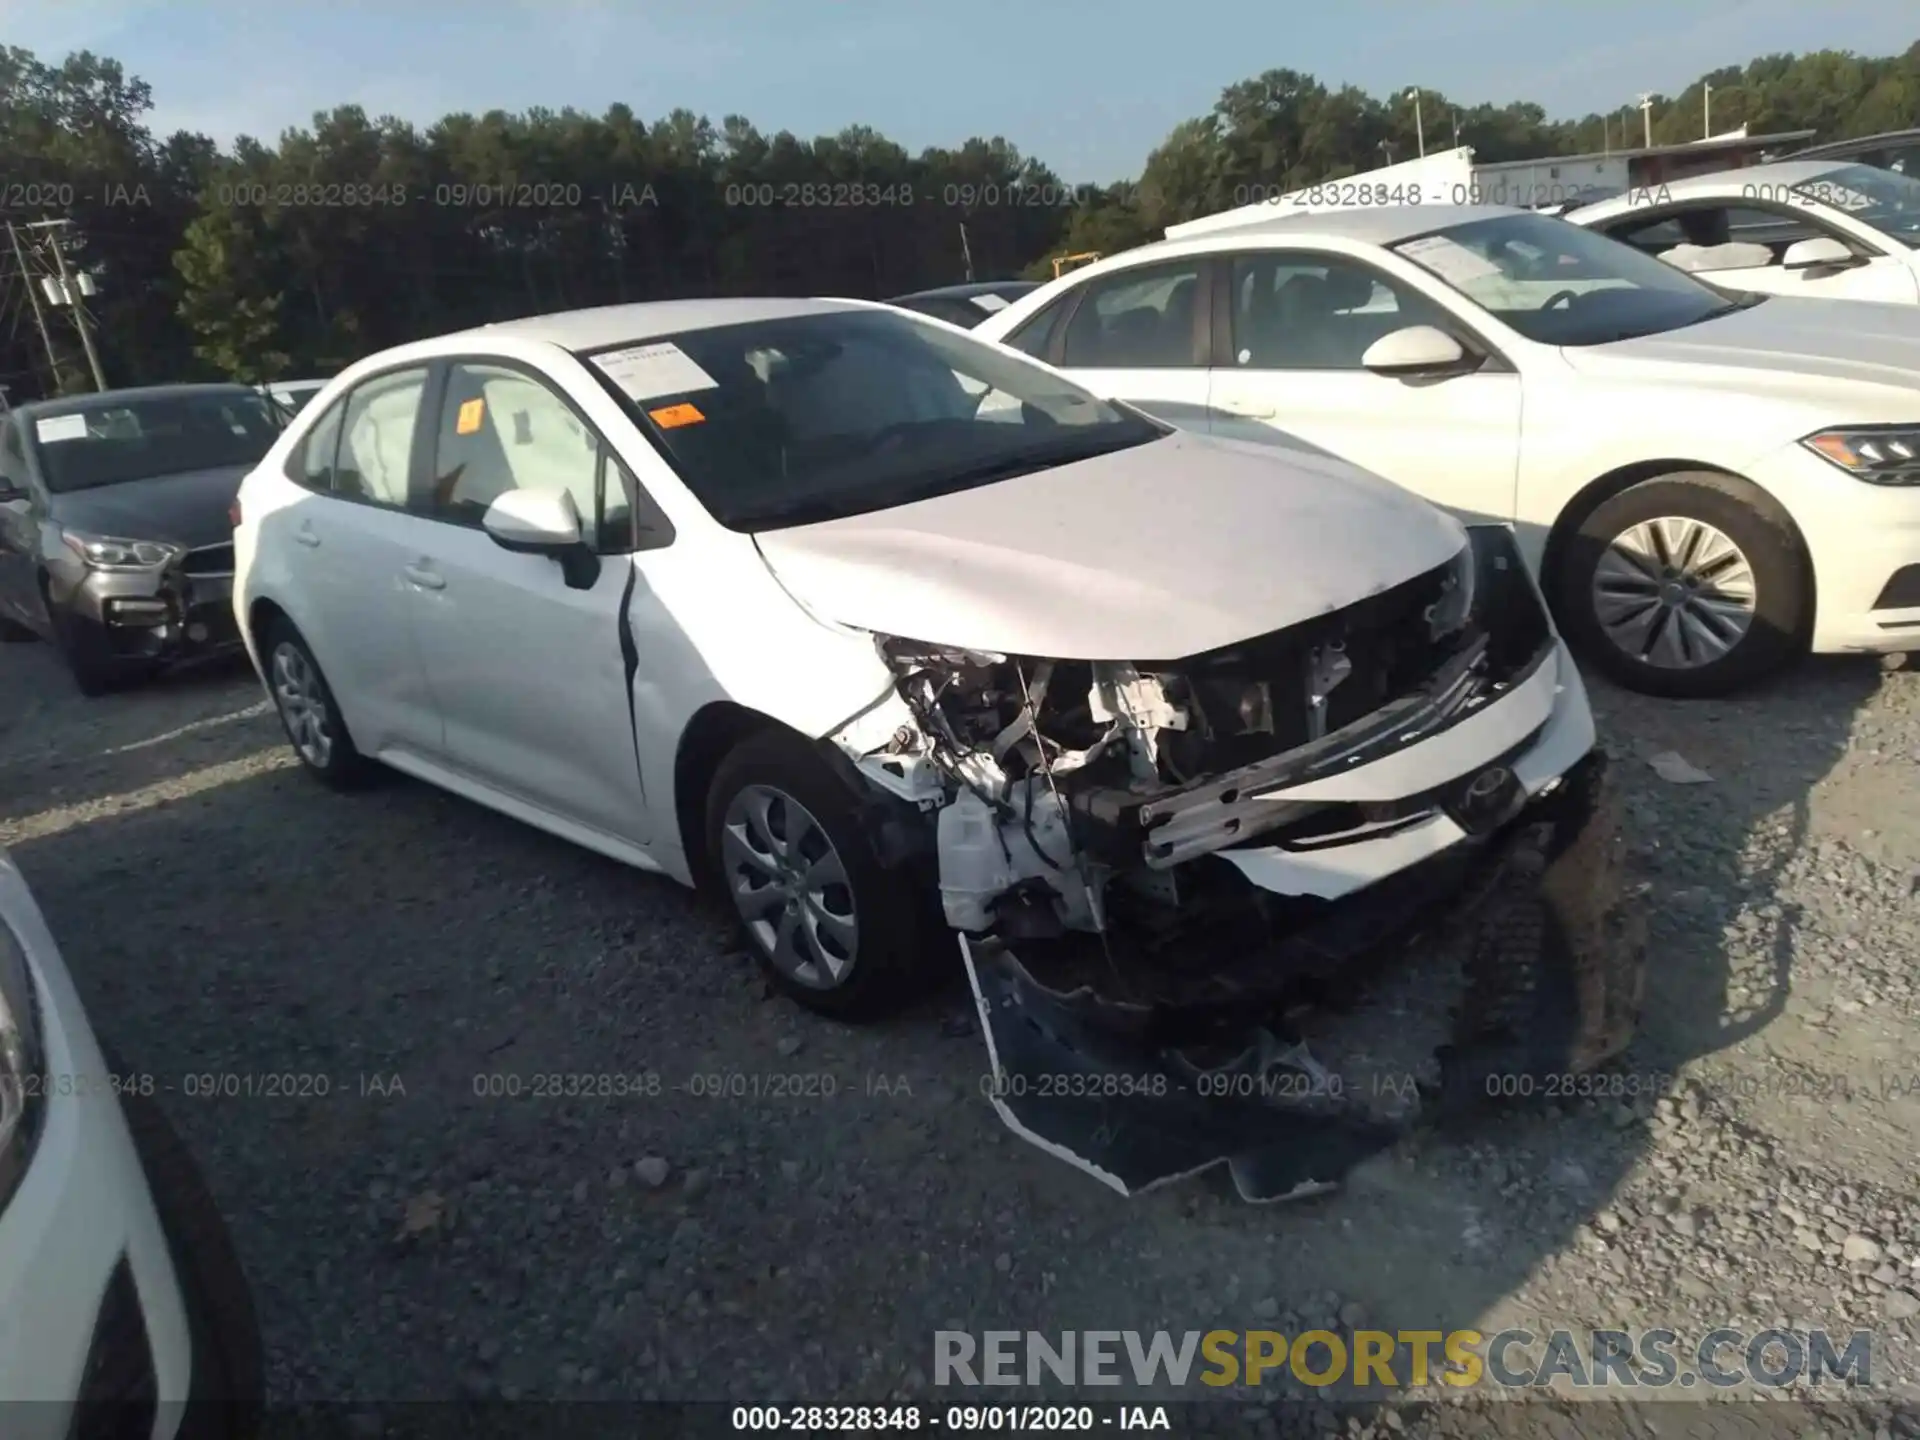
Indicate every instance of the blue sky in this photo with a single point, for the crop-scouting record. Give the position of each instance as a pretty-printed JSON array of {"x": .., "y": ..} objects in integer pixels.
[{"x": 1088, "y": 88}]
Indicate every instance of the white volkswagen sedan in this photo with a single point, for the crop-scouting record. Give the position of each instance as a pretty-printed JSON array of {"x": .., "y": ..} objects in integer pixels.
[
  {"x": 863, "y": 621},
  {"x": 1817, "y": 229},
  {"x": 123, "y": 1311},
  {"x": 1707, "y": 482}
]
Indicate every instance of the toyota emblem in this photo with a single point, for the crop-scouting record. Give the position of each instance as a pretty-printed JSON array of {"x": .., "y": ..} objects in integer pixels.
[{"x": 1487, "y": 784}]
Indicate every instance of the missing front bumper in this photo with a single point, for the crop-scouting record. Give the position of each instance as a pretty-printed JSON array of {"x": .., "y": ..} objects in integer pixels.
[{"x": 1553, "y": 959}]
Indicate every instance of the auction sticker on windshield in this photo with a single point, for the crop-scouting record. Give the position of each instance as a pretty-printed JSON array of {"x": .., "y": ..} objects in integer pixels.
[
  {"x": 1450, "y": 260},
  {"x": 56, "y": 428},
  {"x": 649, "y": 372}
]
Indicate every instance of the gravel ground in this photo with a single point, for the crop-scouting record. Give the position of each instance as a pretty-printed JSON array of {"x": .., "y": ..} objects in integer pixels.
[{"x": 408, "y": 1237}]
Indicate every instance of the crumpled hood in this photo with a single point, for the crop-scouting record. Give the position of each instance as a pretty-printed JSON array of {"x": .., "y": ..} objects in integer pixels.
[
  {"x": 1171, "y": 548},
  {"x": 1849, "y": 354},
  {"x": 189, "y": 509}
]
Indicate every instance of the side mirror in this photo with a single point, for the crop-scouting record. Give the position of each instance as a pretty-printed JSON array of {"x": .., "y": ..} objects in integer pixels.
[
  {"x": 543, "y": 522},
  {"x": 1820, "y": 251},
  {"x": 1414, "y": 350}
]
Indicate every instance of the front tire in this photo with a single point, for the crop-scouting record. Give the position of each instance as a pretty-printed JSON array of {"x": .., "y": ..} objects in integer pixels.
[
  {"x": 1687, "y": 586},
  {"x": 95, "y": 672},
  {"x": 308, "y": 712},
  {"x": 829, "y": 925}
]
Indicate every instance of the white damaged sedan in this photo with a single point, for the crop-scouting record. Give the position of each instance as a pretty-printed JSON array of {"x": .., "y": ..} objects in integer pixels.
[{"x": 866, "y": 625}]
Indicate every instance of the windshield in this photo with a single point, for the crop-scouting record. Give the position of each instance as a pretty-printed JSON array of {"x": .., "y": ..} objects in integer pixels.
[
  {"x": 138, "y": 439},
  {"x": 1887, "y": 201},
  {"x": 815, "y": 417},
  {"x": 1560, "y": 284}
]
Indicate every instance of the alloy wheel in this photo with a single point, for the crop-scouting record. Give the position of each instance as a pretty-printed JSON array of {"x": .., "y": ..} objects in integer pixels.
[
  {"x": 1674, "y": 593},
  {"x": 302, "y": 704},
  {"x": 790, "y": 887}
]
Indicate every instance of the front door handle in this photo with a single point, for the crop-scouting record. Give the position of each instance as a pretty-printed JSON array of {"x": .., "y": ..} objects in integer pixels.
[
  {"x": 307, "y": 538},
  {"x": 1248, "y": 409},
  {"x": 425, "y": 577}
]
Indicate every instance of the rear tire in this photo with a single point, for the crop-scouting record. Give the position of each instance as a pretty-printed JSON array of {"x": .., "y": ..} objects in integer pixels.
[
  {"x": 308, "y": 712},
  {"x": 829, "y": 925},
  {"x": 1687, "y": 586}
]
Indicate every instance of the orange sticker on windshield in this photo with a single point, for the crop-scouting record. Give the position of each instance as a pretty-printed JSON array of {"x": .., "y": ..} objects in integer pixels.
[
  {"x": 668, "y": 417},
  {"x": 471, "y": 414}
]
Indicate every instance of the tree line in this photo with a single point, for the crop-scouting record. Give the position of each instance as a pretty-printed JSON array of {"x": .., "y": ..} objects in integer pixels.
[{"x": 293, "y": 259}]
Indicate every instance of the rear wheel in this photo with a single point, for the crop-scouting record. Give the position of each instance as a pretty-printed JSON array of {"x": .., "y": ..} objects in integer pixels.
[
  {"x": 1689, "y": 586},
  {"x": 308, "y": 712},
  {"x": 829, "y": 925}
]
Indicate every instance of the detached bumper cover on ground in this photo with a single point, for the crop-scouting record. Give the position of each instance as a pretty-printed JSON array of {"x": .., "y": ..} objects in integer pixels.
[{"x": 1554, "y": 960}]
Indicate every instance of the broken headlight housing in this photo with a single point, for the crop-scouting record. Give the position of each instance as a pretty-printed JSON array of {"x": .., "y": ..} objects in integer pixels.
[
  {"x": 905, "y": 656},
  {"x": 1878, "y": 454},
  {"x": 21, "y": 1068}
]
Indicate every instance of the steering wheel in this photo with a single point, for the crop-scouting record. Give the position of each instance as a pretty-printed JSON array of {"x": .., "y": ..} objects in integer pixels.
[{"x": 1567, "y": 295}]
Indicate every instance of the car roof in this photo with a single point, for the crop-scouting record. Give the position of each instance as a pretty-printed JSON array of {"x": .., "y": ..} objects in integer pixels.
[
  {"x": 1371, "y": 225},
  {"x": 647, "y": 320},
  {"x": 1859, "y": 142},
  {"x": 1748, "y": 180},
  {"x": 968, "y": 291},
  {"x": 72, "y": 404}
]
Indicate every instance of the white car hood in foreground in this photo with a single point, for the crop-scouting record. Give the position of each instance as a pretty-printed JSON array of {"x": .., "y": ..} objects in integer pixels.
[
  {"x": 1175, "y": 547},
  {"x": 1807, "y": 349}
]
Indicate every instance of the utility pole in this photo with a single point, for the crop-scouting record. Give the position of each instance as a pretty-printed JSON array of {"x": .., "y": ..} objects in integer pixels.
[
  {"x": 1706, "y": 112},
  {"x": 72, "y": 295},
  {"x": 33, "y": 296},
  {"x": 1419, "y": 128},
  {"x": 1646, "y": 117}
]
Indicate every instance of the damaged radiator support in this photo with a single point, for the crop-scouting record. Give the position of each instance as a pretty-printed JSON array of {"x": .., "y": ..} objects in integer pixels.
[{"x": 1554, "y": 970}]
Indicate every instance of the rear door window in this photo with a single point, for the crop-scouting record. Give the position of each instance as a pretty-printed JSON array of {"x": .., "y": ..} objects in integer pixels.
[{"x": 1139, "y": 320}]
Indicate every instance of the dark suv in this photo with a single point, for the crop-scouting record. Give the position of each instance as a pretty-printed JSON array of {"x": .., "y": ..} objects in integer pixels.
[
  {"x": 116, "y": 538},
  {"x": 966, "y": 305}
]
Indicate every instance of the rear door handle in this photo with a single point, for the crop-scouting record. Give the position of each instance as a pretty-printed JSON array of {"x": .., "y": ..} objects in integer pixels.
[
  {"x": 1248, "y": 409},
  {"x": 307, "y": 538},
  {"x": 425, "y": 577}
]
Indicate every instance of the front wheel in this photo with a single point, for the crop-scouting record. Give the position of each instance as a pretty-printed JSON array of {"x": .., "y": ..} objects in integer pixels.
[
  {"x": 829, "y": 925},
  {"x": 95, "y": 670},
  {"x": 1687, "y": 586}
]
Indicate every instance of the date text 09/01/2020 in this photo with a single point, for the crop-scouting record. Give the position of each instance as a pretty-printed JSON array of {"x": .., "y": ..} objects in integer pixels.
[{"x": 954, "y": 1419}]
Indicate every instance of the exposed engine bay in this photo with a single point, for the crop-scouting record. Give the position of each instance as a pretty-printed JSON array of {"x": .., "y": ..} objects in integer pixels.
[{"x": 1105, "y": 817}]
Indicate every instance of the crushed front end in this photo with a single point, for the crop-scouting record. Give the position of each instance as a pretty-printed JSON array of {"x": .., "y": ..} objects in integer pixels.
[{"x": 1159, "y": 869}]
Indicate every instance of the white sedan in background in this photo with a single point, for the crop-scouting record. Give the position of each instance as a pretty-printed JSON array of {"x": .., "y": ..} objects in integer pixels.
[
  {"x": 1819, "y": 229},
  {"x": 123, "y": 1311},
  {"x": 1707, "y": 482}
]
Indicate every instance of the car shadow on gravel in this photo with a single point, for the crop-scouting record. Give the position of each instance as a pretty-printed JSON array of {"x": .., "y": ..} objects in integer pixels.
[{"x": 363, "y": 1012}]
